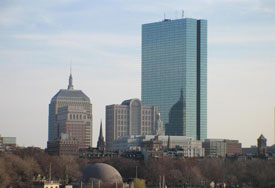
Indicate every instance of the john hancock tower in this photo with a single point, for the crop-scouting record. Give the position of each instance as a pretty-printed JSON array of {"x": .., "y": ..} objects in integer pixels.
[{"x": 174, "y": 70}]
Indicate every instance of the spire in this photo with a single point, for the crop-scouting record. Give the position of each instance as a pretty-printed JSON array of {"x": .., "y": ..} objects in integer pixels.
[
  {"x": 101, "y": 132},
  {"x": 100, "y": 142},
  {"x": 71, "y": 86}
]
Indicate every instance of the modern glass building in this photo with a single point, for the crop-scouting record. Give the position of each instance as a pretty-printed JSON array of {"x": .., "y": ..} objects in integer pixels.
[{"x": 174, "y": 58}]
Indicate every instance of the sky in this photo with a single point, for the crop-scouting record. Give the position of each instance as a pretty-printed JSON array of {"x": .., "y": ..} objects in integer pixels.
[{"x": 39, "y": 39}]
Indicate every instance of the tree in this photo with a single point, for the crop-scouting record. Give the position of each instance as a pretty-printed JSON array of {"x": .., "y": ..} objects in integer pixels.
[{"x": 139, "y": 183}]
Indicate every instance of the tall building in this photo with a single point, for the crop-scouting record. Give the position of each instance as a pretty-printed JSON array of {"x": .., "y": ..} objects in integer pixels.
[
  {"x": 70, "y": 112},
  {"x": 131, "y": 118},
  {"x": 174, "y": 58}
]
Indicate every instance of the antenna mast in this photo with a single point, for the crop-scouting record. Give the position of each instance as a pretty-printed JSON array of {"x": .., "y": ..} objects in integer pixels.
[{"x": 182, "y": 14}]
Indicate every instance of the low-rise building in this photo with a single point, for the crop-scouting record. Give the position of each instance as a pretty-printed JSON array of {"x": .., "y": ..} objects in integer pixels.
[
  {"x": 222, "y": 147},
  {"x": 63, "y": 146},
  {"x": 7, "y": 144},
  {"x": 152, "y": 148},
  {"x": 190, "y": 147}
]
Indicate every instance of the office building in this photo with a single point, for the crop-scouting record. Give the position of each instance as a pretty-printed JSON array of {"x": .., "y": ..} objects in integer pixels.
[
  {"x": 7, "y": 144},
  {"x": 70, "y": 112},
  {"x": 174, "y": 58},
  {"x": 221, "y": 147},
  {"x": 131, "y": 118}
]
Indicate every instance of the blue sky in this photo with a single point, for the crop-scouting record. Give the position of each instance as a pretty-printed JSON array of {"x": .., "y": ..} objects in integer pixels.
[{"x": 39, "y": 39}]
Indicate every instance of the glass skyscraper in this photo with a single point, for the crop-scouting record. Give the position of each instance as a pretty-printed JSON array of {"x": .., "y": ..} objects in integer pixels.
[{"x": 174, "y": 63}]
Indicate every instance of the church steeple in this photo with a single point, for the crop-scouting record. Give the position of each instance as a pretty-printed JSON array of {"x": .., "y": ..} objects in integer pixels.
[
  {"x": 71, "y": 86},
  {"x": 100, "y": 142},
  {"x": 101, "y": 133}
]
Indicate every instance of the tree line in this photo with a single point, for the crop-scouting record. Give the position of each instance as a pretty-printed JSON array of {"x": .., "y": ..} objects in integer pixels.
[{"x": 20, "y": 168}]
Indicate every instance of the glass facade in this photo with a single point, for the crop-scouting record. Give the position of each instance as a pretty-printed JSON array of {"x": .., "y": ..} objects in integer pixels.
[{"x": 174, "y": 58}]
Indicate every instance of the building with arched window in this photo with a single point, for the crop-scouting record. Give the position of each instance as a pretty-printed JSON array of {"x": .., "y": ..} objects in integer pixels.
[{"x": 131, "y": 118}]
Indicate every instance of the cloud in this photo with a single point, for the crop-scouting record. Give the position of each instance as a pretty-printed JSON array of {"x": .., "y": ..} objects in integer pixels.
[
  {"x": 240, "y": 39},
  {"x": 78, "y": 39}
]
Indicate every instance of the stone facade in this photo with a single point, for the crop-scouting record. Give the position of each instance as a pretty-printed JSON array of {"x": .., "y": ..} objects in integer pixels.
[
  {"x": 131, "y": 118},
  {"x": 63, "y": 147},
  {"x": 70, "y": 112}
]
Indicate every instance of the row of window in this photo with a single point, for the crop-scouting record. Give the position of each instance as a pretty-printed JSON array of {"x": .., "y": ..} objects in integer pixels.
[
  {"x": 78, "y": 116},
  {"x": 122, "y": 111}
]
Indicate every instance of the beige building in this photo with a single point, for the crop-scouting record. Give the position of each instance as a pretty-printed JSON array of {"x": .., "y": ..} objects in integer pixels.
[
  {"x": 131, "y": 118},
  {"x": 70, "y": 112}
]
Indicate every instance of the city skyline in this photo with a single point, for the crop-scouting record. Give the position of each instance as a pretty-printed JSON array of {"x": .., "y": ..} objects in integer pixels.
[{"x": 103, "y": 40}]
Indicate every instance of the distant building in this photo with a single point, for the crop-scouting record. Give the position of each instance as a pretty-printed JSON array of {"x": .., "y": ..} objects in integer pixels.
[
  {"x": 174, "y": 57},
  {"x": 251, "y": 151},
  {"x": 70, "y": 112},
  {"x": 152, "y": 148},
  {"x": 63, "y": 147},
  {"x": 222, "y": 147},
  {"x": 189, "y": 146},
  {"x": 7, "y": 144},
  {"x": 131, "y": 118},
  {"x": 262, "y": 148},
  {"x": 214, "y": 147}
]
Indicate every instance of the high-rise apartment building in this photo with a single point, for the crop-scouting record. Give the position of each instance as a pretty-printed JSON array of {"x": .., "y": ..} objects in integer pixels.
[
  {"x": 70, "y": 112},
  {"x": 131, "y": 118},
  {"x": 174, "y": 58}
]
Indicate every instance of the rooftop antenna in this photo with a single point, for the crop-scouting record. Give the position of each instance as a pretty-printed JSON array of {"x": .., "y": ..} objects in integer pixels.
[
  {"x": 164, "y": 16},
  {"x": 182, "y": 14}
]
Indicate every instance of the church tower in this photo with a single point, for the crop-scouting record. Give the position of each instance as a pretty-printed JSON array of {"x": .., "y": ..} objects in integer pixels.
[{"x": 100, "y": 142}]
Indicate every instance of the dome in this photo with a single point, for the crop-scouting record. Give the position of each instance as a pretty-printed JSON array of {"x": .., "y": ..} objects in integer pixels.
[{"x": 103, "y": 172}]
